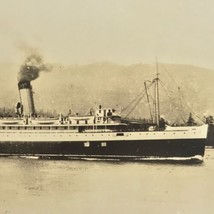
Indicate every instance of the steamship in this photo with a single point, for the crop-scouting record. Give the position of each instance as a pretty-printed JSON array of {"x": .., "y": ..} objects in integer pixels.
[{"x": 101, "y": 134}]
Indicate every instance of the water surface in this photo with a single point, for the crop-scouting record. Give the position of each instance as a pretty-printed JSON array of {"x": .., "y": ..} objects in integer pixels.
[{"x": 48, "y": 186}]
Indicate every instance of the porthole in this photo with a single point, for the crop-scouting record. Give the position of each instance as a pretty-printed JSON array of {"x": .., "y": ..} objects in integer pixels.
[
  {"x": 86, "y": 144},
  {"x": 103, "y": 144}
]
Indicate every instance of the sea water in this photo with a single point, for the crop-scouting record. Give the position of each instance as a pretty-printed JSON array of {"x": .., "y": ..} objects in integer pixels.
[{"x": 48, "y": 186}]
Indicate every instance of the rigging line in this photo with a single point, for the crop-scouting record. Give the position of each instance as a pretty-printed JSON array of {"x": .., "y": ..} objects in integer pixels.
[
  {"x": 169, "y": 91},
  {"x": 148, "y": 100},
  {"x": 180, "y": 92},
  {"x": 173, "y": 79},
  {"x": 135, "y": 106},
  {"x": 137, "y": 97},
  {"x": 183, "y": 102},
  {"x": 87, "y": 112},
  {"x": 190, "y": 108},
  {"x": 170, "y": 75},
  {"x": 172, "y": 103},
  {"x": 132, "y": 109},
  {"x": 180, "y": 114}
]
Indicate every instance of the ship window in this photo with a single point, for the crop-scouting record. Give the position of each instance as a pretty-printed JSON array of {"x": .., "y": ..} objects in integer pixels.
[
  {"x": 86, "y": 122},
  {"x": 120, "y": 134},
  {"x": 29, "y": 127},
  {"x": 62, "y": 128},
  {"x": 37, "y": 128},
  {"x": 45, "y": 127},
  {"x": 72, "y": 127},
  {"x": 89, "y": 127},
  {"x": 103, "y": 144},
  {"x": 100, "y": 127},
  {"x": 99, "y": 111},
  {"x": 86, "y": 144},
  {"x": 77, "y": 121}
]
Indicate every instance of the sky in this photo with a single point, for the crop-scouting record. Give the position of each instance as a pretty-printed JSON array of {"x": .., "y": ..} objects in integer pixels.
[{"x": 118, "y": 31}]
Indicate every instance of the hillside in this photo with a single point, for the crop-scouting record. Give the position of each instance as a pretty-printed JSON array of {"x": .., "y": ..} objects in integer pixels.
[{"x": 80, "y": 87}]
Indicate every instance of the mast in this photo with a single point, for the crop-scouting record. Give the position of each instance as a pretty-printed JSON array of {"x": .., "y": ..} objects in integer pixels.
[
  {"x": 147, "y": 95},
  {"x": 157, "y": 100}
]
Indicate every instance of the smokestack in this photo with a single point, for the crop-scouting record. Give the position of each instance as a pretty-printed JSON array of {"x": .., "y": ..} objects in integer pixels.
[
  {"x": 26, "y": 98},
  {"x": 29, "y": 71}
]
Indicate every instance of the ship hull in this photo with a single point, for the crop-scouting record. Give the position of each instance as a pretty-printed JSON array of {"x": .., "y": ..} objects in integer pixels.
[
  {"x": 123, "y": 150},
  {"x": 50, "y": 141}
]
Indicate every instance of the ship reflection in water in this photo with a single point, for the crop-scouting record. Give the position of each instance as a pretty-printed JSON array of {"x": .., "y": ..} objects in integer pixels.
[{"x": 49, "y": 186}]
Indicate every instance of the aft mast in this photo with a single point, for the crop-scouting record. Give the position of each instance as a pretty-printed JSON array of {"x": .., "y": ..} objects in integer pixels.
[{"x": 157, "y": 100}]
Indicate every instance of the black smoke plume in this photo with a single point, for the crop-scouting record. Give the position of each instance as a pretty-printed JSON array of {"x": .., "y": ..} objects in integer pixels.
[{"x": 31, "y": 68}]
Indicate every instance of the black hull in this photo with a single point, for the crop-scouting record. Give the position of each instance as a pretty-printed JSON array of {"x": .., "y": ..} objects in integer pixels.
[
  {"x": 210, "y": 136},
  {"x": 127, "y": 150}
]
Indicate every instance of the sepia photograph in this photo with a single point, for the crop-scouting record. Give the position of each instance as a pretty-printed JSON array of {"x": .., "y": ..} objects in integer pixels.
[{"x": 106, "y": 106}]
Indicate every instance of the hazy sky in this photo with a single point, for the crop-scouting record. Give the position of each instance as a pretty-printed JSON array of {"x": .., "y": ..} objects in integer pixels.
[{"x": 121, "y": 31}]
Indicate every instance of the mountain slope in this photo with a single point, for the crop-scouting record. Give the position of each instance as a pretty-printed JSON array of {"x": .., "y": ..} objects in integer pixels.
[{"x": 80, "y": 87}]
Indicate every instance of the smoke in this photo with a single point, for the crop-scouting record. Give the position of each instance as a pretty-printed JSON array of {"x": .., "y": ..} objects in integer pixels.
[{"x": 31, "y": 68}]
